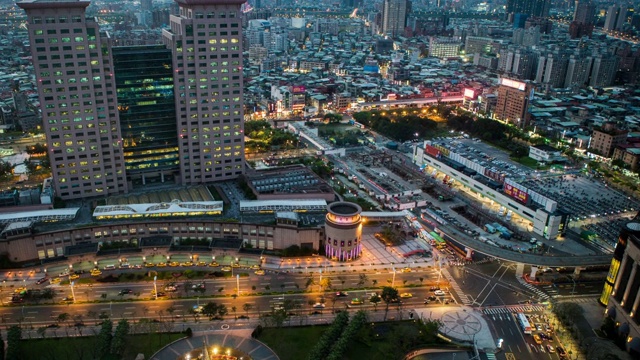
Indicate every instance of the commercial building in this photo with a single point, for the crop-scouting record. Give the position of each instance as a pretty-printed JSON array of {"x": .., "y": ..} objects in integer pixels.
[
  {"x": 444, "y": 47},
  {"x": 606, "y": 138},
  {"x": 206, "y": 44},
  {"x": 394, "y": 17},
  {"x": 73, "y": 64},
  {"x": 343, "y": 229},
  {"x": 109, "y": 118},
  {"x": 538, "y": 8},
  {"x": 620, "y": 294},
  {"x": 146, "y": 104},
  {"x": 513, "y": 101}
]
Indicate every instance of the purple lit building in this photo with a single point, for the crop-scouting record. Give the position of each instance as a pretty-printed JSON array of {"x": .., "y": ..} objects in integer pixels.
[{"x": 343, "y": 229}]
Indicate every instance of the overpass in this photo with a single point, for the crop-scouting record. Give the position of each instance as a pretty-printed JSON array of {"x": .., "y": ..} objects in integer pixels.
[
  {"x": 407, "y": 102},
  {"x": 530, "y": 259}
]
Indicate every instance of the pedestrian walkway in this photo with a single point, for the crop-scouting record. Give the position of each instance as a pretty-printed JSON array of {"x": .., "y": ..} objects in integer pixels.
[
  {"x": 454, "y": 284},
  {"x": 520, "y": 278},
  {"x": 512, "y": 309}
]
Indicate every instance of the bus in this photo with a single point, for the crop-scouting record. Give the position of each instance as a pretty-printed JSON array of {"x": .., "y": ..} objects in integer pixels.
[
  {"x": 524, "y": 323},
  {"x": 439, "y": 241}
]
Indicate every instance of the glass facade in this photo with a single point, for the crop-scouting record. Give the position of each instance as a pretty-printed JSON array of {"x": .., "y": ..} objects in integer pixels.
[{"x": 144, "y": 83}]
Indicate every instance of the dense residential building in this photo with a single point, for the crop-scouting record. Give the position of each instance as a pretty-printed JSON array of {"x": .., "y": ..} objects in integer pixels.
[
  {"x": 513, "y": 101},
  {"x": 578, "y": 70},
  {"x": 583, "y": 17},
  {"x": 144, "y": 83},
  {"x": 605, "y": 139},
  {"x": 206, "y": 43},
  {"x": 394, "y": 17},
  {"x": 604, "y": 70},
  {"x": 616, "y": 17},
  {"x": 73, "y": 63},
  {"x": 552, "y": 68}
]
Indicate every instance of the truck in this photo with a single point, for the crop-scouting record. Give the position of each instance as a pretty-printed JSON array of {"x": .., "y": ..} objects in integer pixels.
[
  {"x": 489, "y": 228},
  {"x": 505, "y": 234}
]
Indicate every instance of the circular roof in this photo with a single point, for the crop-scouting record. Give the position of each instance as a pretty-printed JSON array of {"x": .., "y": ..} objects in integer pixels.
[{"x": 343, "y": 208}]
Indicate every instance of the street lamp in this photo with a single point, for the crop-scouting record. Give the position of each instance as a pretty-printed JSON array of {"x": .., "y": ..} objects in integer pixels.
[
  {"x": 73, "y": 294},
  {"x": 155, "y": 286},
  {"x": 393, "y": 280},
  {"x": 238, "y": 284}
]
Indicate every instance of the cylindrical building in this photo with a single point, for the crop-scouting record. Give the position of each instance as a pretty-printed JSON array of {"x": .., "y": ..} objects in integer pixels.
[{"x": 343, "y": 229}]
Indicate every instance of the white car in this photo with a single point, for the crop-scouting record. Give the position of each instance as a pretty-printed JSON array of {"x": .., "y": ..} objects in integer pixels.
[
  {"x": 439, "y": 293},
  {"x": 318, "y": 306}
]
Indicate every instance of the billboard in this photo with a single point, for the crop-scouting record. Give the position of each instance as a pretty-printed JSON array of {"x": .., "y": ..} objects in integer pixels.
[
  {"x": 516, "y": 193},
  {"x": 297, "y": 89},
  {"x": 432, "y": 151},
  {"x": 513, "y": 84},
  {"x": 494, "y": 175},
  {"x": 469, "y": 93}
]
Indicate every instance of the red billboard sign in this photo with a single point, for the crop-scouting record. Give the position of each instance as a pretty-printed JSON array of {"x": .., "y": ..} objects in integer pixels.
[
  {"x": 516, "y": 193},
  {"x": 432, "y": 151},
  {"x": 297, "y": 89},
  {"x": 494, "y": 175}
]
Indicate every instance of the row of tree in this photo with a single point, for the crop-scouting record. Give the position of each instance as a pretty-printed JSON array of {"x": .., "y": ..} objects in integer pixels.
[{"x": 400, "y": 127}]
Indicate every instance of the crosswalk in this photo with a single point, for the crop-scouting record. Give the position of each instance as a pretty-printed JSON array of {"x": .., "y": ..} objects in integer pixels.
[
  {"x": 512, "y": 309},
  {"x": 490, "y": 356},
  {"x": 519, "y": 273},
  {"x": 454, "y": 285}
]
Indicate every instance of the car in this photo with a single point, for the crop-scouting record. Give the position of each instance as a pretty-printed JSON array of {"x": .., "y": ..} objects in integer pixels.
[
  {"x": 109, "y": 267},
  {"x": 538, "y": 327},
  {"x": 198, "y": 286},
  {"x": 126, "y": 292},
  {"x": 406, "y": 295},
  {"x": 40, "y": 281},
  {"x": 55, "y": 280},
  {"x": 226, "y": 268},
  {"x": 187, "y": 263},
  {"x": 439, "y": 293},
  {"x": 406, "y": 270},
  {"x": 356, "y": 301},
  {"x": 78, "y": 272},
  {"x": 543, "y": 336},
  {"x": 561, "y": 351},
  {"x": 537, "y": 339},
  {"x": 73, "y": 277},
  {"x": 318, "y": 306},
  {"x": 255, "y": 267},
  {"x": 214, "y": 264},
  {"x": 174, "y": 264},
  {"x": 259, "y": 272},
  {"x": 162, "y": 264},
  {"x": 124, "y": 266},
  {"x": 550, "y": 349},
  {"x": 202, "y": 263},
  {"x": 149, "y": 265},
  {"x": 341, "y": 294},
  {"x": 170, "y": 288},
  {"x": 137, "y": 266},
  {"x": 96, "y": 272},
  {"x": 67, "y": 299},
  {"x": 64, "y": 273},
  {"x": 160, "y": 293},
  {"x": 236, "y": 265}
]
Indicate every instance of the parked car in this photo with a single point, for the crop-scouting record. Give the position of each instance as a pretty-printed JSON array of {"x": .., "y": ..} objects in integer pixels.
[
  {"x": 439, "y": 293},
  {"x": 318, "y": 306}
]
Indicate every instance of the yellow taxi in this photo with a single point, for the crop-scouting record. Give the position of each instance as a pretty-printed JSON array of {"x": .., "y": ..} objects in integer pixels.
[
  {"x": 174, "y": 264},
  {"x": 214, "y": 264},
  {"x": 236, "y": 265},
  {"x": 202, "y": 263},
  {"x": 259, "y": 272},
  {"x": 74, "y": 276},
  {"x": 255, "y": 267},
  {"x": 149, "y": 265},
  {"x": 96, "y": 272},
  {"x": 161, "y": 264},
  {"x": 55, "y": 280},
  {"x": 187, "y": 263}
]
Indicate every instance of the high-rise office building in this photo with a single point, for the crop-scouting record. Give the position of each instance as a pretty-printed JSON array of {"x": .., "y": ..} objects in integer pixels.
[
  {"x": 146, "y": 103},
  {"x": 394, "y": 17},
  {"x": 538, "y": 8},
  {"x": 620, "y": 294},
  {"x": 513, "y": 101},
  {"x": 76, "y": 86},
  {"x": 206, "y": 41},
  {"x": 616, "y": 17}
]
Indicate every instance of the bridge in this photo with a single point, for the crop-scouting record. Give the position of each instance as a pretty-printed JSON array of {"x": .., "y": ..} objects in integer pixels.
[
  {"x": 530, "y": 259},
  {"x": 406, "y": 102}
]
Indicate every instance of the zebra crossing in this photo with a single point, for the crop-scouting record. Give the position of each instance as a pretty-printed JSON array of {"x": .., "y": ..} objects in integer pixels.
[
  {"x": 490, "y": 356},
  {"x": 538, "y": 292},
  {"x": 512, "y": 309},
  {"x": 454, "y": 285}
]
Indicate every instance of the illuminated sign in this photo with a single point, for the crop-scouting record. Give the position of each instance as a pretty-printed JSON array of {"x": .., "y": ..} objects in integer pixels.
[
  {"x": 470, "y": 93},
  {"x": 432, "y": 151},
  {"x": 516, "y": 193},
  {"x": 513, "y": 84},
  {"x": 298, "y": 89}
]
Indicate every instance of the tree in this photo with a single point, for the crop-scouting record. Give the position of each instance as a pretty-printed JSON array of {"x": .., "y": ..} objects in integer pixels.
[
  {"x": 374, "y": 282},
  {"x": 222, "y": 310},
  {"x": 188, "y": 285},
  {"x": 210, "y": 309},
  {"x": 375, "y": 300},
  {"x": 309, "y": 282},
  {"x": 14, "y": 335},
  {"x": 2, "y": 346},
  {"x": 362, "y": 279},
  {"x": 322, "y": 348},
  {"x": 389, "y": 295},
  {"x": 119, "y": 337},
  {"x": 325, "y": 284},
  {"x": 234, "y": 309},
  {"x": 104, "y": 338},
  {"x": 247, "y": 307}
]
